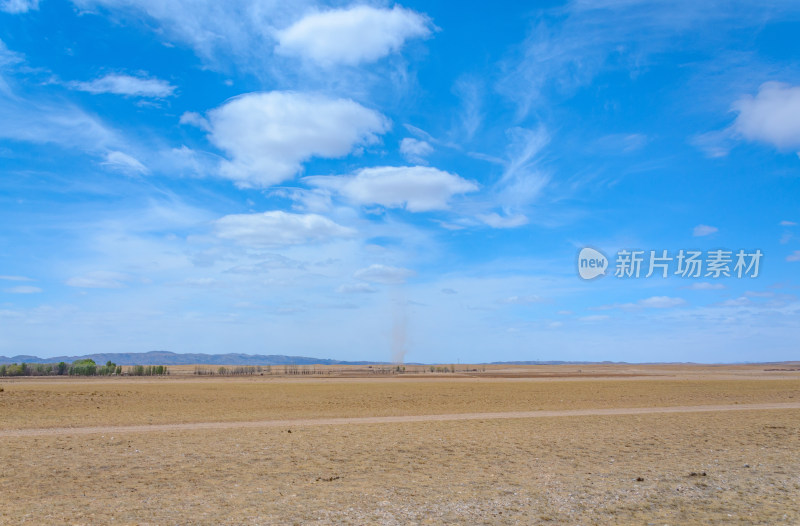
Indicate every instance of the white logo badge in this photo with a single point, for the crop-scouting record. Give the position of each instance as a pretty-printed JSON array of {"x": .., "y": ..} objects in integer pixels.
[{"x": 591, "y": 263}]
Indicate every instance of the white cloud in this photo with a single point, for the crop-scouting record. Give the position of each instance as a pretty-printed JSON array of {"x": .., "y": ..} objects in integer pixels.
[
  {"x": 23, "y": 289},
  {"x": 19, "y": 6},
  {"x": 415, "y": 150},
  {"x": 384, "y": 274},
  {"x": 356, "y": 288},
  {"x": 279, "y": 228},
  {"x": 495, "y": 220},
  {"x": 794, "y": 256},
  {"x": 126, "y": 85},
  {"x": 704, "y": 230},
  {"x": 788, "y": 223},
  {"x": 307, "y": 199},
  {"x": 772, "y": 116},
  {"x": 415, "y": 188},
  {"x": 269, "y": 135},
  {"x": 351, "y": 36},
  {"x": 124, "y": 162},
  {"x": 99, "y": 280},
  {"x": 15, "y": 278},
  {"x": 661, "y": 302},
  {"x": 195, "y": 119}
]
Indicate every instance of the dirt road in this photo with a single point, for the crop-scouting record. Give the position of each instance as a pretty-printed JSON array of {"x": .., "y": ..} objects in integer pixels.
[{"x": 8, "y": 433}]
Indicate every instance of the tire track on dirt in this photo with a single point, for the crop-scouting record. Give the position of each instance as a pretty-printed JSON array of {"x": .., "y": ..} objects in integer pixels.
[{"x": 399, "y": 419}]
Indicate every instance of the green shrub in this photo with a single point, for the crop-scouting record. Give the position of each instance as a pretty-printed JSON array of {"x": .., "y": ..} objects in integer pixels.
[{"x": 15, "y": 369}]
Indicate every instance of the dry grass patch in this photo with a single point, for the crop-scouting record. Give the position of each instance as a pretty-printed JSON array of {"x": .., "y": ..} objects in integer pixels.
[
  {"x": 71, "y": 402},
  {"x": 550, "y": 470}
]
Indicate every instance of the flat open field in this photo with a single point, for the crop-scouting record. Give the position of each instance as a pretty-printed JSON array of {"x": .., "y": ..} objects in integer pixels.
[{"x": 608, "y": 444}]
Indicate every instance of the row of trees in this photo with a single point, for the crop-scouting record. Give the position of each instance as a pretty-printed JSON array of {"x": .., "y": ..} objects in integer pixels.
[
  {"x": 86, "y": 367},
  {"x": 242, "y": 370},
  {"x": 147, "y": 370}
]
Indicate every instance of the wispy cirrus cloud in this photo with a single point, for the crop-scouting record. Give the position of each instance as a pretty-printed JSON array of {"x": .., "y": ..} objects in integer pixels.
[
  {"x": 415, "y": 188},
  {"x": 704, "y": 230},
  {"x": 42, "y": 121},
  {"x": 278, "y": 228},
  {"x": 221, "y": 34},
  {"x": 19, "y": 6},
  {"x": 23, "y": 289},
  {"x": 384, "y": 274},
  {"x": 356, "y": 288},
  {"x": 496, "y": 220},
  {"x": 125, "y": 163},
  {"x": 100, "y": 279},
  {"x": 127, "y": 85},
  {"x": 569, "y": 45},
  {"x": 15, "y": 278}
]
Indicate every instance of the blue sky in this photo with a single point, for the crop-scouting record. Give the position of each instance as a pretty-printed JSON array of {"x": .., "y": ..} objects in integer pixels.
[{"x": 378, "y": 181}]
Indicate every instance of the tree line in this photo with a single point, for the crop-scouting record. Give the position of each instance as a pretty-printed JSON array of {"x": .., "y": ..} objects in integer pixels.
[{"x": 85, "y": 367}]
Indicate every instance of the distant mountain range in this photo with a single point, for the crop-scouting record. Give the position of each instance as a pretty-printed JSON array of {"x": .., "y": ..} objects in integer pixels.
[{"x": 171, "y": 358}]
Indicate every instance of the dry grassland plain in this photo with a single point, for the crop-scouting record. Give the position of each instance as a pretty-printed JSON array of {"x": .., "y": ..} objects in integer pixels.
[{"x": 293, "y": 450}]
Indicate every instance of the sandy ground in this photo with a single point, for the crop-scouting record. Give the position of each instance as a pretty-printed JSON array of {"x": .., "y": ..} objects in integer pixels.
[{"x": 661, "y": 449}]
